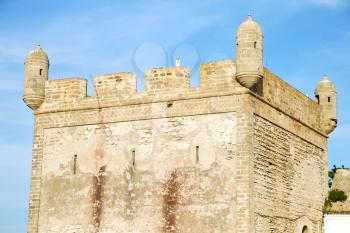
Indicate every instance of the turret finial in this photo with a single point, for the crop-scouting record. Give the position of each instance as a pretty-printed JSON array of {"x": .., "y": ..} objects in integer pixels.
[
  {"x": 325, "y": 77},
  {"x": 177, "y": 62},
  {"x": 250, "y": 17}
]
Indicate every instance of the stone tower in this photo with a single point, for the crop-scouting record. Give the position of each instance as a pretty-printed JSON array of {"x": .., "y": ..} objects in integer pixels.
[
  {"x": 326, "y": 96},
  {"x": 36, "y": 69},
  {"x": 214, "y": 158},
  {"x": 249, "y": 57}
]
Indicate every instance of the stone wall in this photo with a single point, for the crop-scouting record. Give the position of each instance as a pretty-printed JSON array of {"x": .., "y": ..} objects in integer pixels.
[
  {"x": 289, "y": 100},
  {"x": 288, "y": 179},
  {"x": 130, "y": 158},
  {"x": 51, "y": 123},
  {"x": 158, "y": 175}
]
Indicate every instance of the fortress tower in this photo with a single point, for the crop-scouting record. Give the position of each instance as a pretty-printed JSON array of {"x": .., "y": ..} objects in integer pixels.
[
  {"x": 326, "y": 96},
  {"x": 221, "y": 157},
  {"x": 36, "y": 70},
  {"x": 249, "y": 57}
]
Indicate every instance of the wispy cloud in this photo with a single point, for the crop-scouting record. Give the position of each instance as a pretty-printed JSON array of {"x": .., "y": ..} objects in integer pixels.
[
  {"x": 295, "y": 5},
  {"x": 332, "y": 3},
  {"x": 101, "y": 40}
]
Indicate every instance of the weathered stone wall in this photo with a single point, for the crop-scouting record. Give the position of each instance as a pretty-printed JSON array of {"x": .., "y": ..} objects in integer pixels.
[
  {"x": 289, "y": 100},
  {"x": 158, "y": 175},
  {"x": 196, "y": 107},
  {"x": 289, "y": 180},
  {"x": 163, "y": 126}
]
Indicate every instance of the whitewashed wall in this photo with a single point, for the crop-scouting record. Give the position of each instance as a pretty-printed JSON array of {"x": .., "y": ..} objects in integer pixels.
[{"x": 334, "y": 223}]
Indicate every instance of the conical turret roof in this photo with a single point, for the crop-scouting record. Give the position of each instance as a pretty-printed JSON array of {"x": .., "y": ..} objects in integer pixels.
[
  {"x": 249, "y": 25},
  {"x": 37, "y": 54},
  {"x": 325, "y": 85}
]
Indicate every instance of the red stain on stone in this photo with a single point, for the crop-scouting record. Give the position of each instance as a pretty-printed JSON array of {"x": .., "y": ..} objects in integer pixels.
[
  {"x": 97, "y": 203},
  {"x": 170, "y": 202},
  {"x": 98, "y": 179}
]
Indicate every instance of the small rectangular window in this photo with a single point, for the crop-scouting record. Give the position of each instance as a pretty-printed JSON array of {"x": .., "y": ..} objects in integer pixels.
[
  {"x": 75, "y": 164},
  {"x": 255, "y": 45},
  {"x": 329, "y": 99},
  {"x": 133, "y": 158},
  {"x": 40, "y": 71},
  {"x": 197, "y": 154}
]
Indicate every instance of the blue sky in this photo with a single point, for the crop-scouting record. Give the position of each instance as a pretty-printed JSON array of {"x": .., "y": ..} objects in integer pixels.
[{"x": 303, "y": 40}]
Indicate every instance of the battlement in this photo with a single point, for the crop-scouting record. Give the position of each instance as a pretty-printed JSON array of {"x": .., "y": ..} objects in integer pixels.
[
  {"x": 65, "y": 89},
  {"x": 173, "y": 83},
  {"x": 115, "y": 84},
  {"x": 217, "y": 74},
  {"x": 167, "y": 78}
]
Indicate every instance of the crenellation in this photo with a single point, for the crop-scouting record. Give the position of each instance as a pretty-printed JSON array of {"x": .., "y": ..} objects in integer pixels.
[
  {"x": 167, "y": 78},
  {"x": 217, "y": 74},
  {"x": 68, "y": 89},
  {"x": 121, "y": 84}
]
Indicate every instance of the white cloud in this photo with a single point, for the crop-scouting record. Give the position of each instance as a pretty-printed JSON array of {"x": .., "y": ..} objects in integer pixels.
[
  {"x": 299, "y": 4},
  {"x": 332, "y": 3}
]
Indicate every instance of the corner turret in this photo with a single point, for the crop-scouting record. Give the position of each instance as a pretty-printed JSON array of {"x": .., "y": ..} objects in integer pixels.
[
  {"x": 249, "y": 53},
  {"x": 36, "y": 69},
  {"x": 326, "y": 96}
]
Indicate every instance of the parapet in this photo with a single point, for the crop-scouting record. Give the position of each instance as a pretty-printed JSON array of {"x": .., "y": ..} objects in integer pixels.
[
  {"x": 291, "y": 101},
  {"x": 115, "y": 84},
  {"x": 65, "y": 89},
  {"x": 217, "y": 74},
  {"x": 173, "y": 83},
  {"x": 165, "y": 79}
]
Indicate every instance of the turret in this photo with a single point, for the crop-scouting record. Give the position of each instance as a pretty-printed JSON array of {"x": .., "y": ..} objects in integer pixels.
[
  {"x": 326, "y": 96},
  {"x": 36, "y": 68},
  {"x": 249, "y": 57}
]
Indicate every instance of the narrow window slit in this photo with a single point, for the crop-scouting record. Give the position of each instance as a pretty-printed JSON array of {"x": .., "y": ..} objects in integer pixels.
[
  {"x": 133, "y": 158},
  {"x": 329, "y": 99},
  {"x": 75, "y": 165},
  {"x": 40, "y": 71},
  {"x": 197, "y": 154},
  {"x": 255, "y": 45}
]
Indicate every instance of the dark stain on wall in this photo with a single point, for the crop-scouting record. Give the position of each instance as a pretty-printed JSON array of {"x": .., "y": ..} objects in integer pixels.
[
  {"x": 97, "y": 203},
  {"x": 99, "y": 179},
  {"x": 170, "y": 202}
]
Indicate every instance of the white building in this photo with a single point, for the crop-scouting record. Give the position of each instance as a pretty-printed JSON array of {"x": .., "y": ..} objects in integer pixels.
[
  {"x": 337, "y": 219},
  {"x": 337, "y": 223}
]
